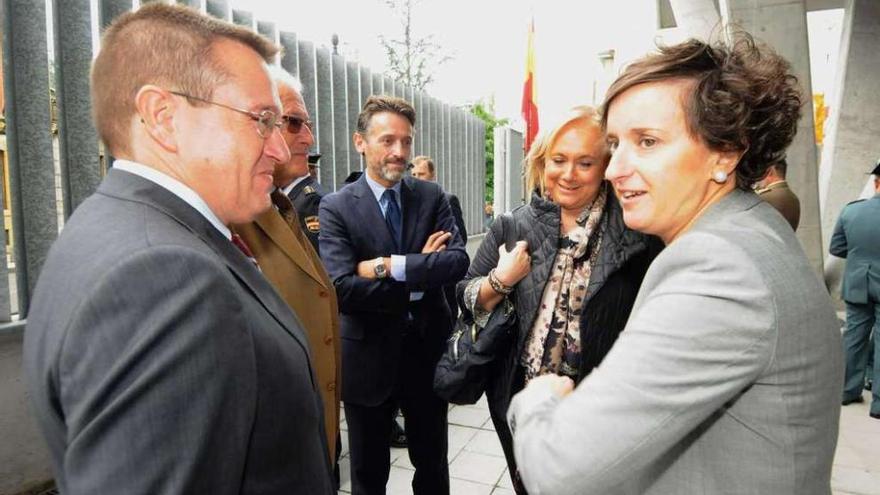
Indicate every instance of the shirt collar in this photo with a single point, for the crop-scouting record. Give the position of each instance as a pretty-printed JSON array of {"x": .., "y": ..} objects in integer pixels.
[
  {"x": 379, "y": 189},
  {"x": 175, "y": 187},
  {"x": 286, "y": 189}
]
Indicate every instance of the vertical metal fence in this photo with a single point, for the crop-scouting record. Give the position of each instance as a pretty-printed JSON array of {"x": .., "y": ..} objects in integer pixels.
[{"x": 41, "y": 165}]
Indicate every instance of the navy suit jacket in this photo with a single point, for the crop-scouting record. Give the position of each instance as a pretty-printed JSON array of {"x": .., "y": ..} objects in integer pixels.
[{"x": 374, "y": 312}]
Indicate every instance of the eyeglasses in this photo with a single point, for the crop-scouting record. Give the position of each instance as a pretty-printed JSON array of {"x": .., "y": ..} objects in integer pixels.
[
  {"x": 266, "y": 120},
  {"x": 295, "y": 124}
]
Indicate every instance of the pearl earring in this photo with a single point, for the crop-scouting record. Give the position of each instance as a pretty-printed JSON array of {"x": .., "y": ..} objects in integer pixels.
[{"x": 720, "y": 176}]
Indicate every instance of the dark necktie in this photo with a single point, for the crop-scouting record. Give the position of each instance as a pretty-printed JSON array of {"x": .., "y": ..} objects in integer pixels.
[
  {"x": 243, "y": 247},
  {"x": 285, "y": 208},
  {"x": 393, "y": 217}
]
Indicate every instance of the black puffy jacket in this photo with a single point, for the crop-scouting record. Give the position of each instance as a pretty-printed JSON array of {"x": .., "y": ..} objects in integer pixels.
[{"x": 622, "y": 262}]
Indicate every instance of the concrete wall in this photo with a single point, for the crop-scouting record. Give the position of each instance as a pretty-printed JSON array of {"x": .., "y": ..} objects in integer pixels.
[{"x": 24, "y": 461}]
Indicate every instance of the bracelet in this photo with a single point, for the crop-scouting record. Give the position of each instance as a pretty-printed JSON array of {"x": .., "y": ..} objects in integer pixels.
[{"x": 496, "y": 284}]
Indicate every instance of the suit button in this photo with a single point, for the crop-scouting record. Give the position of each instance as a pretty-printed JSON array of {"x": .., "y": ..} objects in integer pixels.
[
  {"x": 331, "y": 386},
  {"x": 323, "y": 293},
  {"x": 328, "y": 339}
]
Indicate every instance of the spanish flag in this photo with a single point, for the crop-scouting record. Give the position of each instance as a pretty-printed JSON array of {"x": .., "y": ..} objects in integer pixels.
[{"x": 529, "y": 99}]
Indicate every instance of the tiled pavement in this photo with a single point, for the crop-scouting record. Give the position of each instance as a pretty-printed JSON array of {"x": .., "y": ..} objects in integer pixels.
[{"x": 477, "y": 467}]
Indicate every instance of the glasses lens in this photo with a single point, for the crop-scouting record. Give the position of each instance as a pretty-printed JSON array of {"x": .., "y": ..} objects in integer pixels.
[
  {"x": 295, "y": 124},
  {"x": 267, "y": 121}
]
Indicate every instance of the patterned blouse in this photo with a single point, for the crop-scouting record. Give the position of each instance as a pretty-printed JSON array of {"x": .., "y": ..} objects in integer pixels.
[{"x": 553, "y": 344}]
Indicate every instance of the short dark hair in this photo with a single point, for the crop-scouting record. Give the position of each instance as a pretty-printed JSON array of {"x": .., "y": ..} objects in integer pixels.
[
  {"x": 166, "y": 45},
  {"x": 382, "y": 103},
  {"x": 744, "y": 97}
]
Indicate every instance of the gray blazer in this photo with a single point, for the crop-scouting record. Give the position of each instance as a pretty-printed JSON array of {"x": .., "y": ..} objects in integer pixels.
[
  {"x": 727, "y": 378},
  {"x": 160, "y": 361},
  {"x": 857, "y": 238}
]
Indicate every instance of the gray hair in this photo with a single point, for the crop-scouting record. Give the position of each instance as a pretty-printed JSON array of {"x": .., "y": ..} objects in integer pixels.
[{"x": 281, "y": 76}]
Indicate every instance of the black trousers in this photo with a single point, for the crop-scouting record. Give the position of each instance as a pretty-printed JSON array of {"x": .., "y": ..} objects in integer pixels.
[{"x": 369, "y": 430}]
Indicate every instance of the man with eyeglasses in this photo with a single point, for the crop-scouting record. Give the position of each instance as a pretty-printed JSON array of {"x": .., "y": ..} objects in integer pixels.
[
  {"x": 283, "y": 251},
  {"x": 158, "y": 358}
]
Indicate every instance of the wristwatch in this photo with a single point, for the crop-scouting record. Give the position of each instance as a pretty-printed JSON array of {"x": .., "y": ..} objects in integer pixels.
[{"x": 379, "y": 268}]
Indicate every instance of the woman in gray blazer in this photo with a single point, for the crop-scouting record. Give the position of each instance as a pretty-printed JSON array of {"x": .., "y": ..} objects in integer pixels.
[{"x": 727, "y": 377}]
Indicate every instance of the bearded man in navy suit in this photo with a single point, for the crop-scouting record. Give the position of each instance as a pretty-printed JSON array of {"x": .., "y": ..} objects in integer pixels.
[{"x": 390, "y": 244}]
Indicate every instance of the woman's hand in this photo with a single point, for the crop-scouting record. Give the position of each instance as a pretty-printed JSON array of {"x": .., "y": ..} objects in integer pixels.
[{"x": 513, "y": 265}]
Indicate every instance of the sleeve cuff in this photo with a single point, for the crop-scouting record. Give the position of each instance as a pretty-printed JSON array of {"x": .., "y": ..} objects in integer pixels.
[{"x": 398, "y": 267}]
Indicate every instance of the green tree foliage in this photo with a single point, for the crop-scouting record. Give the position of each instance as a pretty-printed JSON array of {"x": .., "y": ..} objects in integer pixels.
[
  {"x": 411, "y": 60},
  {"x": 486, "y": 112}
]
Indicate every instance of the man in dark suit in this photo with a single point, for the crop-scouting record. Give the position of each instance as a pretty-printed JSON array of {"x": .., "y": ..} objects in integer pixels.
[
  {"x": 388, "y": 246},
  {"x": 423, "y": 168},
  {"x": 306, "y": 194},
  {"x": 857, "y": 238},
  {"x": 774, "y": 189},
  {"x": 158, "y": 358}
]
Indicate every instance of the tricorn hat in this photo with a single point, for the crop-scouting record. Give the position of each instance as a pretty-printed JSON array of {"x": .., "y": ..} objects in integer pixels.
[
  {"x": 876, "y": 170},
  {"x": 313, "y": 159}
]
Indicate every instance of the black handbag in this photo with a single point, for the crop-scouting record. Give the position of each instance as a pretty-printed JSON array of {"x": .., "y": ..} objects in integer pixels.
[{"x": 462, "y": 373}]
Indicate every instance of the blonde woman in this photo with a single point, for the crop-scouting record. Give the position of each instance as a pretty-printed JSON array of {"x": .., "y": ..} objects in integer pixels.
[{"x": 572, "y": 276}]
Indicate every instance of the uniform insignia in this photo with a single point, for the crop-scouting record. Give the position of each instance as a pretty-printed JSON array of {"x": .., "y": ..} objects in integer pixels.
[
  {"x": 309, "y": 190},
  {"x": 312, "y": 223}
]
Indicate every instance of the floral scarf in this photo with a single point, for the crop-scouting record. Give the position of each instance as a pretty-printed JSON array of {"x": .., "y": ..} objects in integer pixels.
[{"x": 554, "y": 342}]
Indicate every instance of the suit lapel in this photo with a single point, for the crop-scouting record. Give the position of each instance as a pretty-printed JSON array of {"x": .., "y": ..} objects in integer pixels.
[
  {"x": 274, "y": 226},
  {"x": 131, "y": 187},
  {"x": 370, "y": 213},
  {"x": 409, "y": 197}
]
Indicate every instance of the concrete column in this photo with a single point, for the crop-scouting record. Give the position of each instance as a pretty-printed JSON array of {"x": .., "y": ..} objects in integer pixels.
[
  {"x": 378, "y": 84},
  {"x": 78, "y": 139},
  {"x": 340, "y": 120},
  {"x": 268, "y": 30},
  {"x": 366, "y": 86},
  {"x": 416, "y": 101},
  {"x": 442, "y": 137},
  {"x": 218, "y": 8},
  {"x": 324, "y": 122},
  {"x": 425, "y": 117},
  {"x": 697, "y": 18},
  {"x": 353, "y": 89},
  {"x": 28, "y": 140},
  {"x": 290, "y": 52},
  {"x": 436, "y": 130},
  {"x": 243, "y": 18},
  {"x": 852, "y": 148},
  {"x": 481, "y": 162},
  {"x": 26, "y": 467},
  {"x": 196, "y": 4},
  {"x": 111, "y": 9},
  {"x": 306, "y": 59},
  {"x": 783, "y": 25}
]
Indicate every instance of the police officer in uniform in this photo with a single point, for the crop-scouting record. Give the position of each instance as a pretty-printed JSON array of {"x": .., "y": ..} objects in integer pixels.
[
  {"x": 306, "y": 198},
  {"x": 857, "y": 238}
]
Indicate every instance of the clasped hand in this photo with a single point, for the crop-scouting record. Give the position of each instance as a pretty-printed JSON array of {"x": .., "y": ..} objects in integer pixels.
[
  {"x": 436, "y": 242},
  {"x": 513, "y": 265}
]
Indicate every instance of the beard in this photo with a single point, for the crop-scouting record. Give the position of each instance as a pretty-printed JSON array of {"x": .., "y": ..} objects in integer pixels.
[{"x": 391, "y": 175}]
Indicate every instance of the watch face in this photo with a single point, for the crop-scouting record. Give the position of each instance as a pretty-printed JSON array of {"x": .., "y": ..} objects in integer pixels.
[{"x": 379, "y": 268}]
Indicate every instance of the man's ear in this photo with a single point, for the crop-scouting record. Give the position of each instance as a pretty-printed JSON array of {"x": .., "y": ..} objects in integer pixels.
[
  {"x": 359, "y": 142},
  {"x": 157, "y": 108}
]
